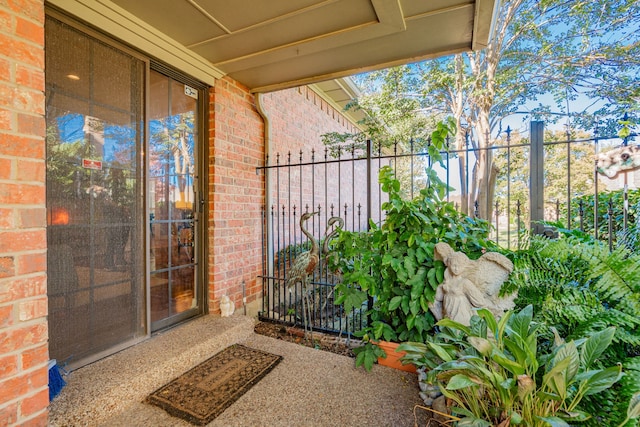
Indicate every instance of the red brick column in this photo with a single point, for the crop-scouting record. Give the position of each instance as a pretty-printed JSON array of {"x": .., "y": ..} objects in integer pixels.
[
  {"x": 236, "y": 194},
  {"x": 24, "y": 352}
]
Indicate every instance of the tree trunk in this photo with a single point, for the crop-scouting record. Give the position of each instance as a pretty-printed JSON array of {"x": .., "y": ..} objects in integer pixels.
[
  {"x": 461, "y": 133},
  {"x": 483, "y": 169},
  {"x": 462, "y": 164}
]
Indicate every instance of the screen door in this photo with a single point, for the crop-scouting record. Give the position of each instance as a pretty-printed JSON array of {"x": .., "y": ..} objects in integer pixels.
[{"x": 173, "y": 204}]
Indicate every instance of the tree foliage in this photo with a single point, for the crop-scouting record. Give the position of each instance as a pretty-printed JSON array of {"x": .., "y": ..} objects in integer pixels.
[{"x": 563, "y": 48}]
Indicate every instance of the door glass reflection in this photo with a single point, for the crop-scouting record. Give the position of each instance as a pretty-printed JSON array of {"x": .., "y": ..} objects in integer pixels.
[{"x": 172, "y": 136}]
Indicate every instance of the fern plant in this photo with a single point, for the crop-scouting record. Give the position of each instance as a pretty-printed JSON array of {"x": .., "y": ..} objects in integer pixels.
[{"x": 578, "y": 287}]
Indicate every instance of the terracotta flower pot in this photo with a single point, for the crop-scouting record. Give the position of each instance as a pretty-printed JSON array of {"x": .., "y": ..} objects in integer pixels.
[{"x": 393, "y": 357}]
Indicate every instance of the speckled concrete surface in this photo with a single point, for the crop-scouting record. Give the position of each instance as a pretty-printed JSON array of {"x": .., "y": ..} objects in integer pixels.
[{"x": 308, "y": 388}]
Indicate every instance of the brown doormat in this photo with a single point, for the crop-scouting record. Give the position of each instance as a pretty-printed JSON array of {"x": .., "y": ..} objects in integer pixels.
[{"x": 204, "y": 392}]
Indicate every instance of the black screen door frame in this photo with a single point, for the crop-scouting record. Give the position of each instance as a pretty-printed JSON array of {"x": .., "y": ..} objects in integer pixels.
[{"x": 188, "y": 231}]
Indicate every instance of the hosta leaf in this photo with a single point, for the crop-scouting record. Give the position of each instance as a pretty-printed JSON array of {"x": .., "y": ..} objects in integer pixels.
[
  {"x": 520, "y": 322},
  {"x": 460, "y": 381},
  {"x": 454, "y": 325},
  {"x": 440, "y": 352},
  {"x": 555, "y": 378},
  {"x": 575, "y": 416},
  {"x": 554, "y": 421},
  {"x": 517, "y": 351},
  {"x": 502, "y": 325},
  {"x": 516, "y": 418},
  {"x": 508, "y": 364},
  {"x": 568, "y": 351},
  {"x": 473, "y": 422},
  {"x": 483, "y": 345},
  {"x": 459, "y": 411},
  {"x": 584, "y": 376},
  {"x": 595, "y": 345},
  {"x": 604, "y": 379},
  {"x": 508, "y": 383},
  {"x": 489, "y": 318},
  {"x": 413, "y": 347},
  {"x": 544, "y": 396}
]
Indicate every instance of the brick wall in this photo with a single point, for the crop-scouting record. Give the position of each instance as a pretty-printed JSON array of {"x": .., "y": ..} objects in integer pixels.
[
  {"x": 298, "y": 118},
  {"x": 235, "y": 193},
  {"x": 24, "y": 353}
]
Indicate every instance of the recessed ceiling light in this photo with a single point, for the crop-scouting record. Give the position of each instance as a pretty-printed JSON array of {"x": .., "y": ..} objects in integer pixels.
[{"x": 73, "y": 77}]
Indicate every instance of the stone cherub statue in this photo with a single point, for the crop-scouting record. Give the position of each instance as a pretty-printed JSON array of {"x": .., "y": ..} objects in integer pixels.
[{"x": 470, "y": 284}]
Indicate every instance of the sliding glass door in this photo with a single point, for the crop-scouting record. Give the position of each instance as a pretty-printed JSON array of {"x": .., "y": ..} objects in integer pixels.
[
  {"x": 95, "y": 199},
  {"x": 123, "y": 140}
]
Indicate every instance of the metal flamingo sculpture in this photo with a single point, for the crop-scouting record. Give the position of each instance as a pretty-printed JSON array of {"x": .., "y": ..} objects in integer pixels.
[
  {"x": 337, "y": 274},
  {"x": 303, "y": 267},
  {"x": 328, "y": 237}
]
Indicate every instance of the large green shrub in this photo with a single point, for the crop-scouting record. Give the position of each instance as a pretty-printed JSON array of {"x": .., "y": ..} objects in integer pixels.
[{"x": 393, "y": 263}]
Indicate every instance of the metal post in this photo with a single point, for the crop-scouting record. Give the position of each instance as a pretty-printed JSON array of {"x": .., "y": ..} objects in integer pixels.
[
  {"x": 369, "y": 299},
  {"x": 610, "y": 214},
  {"x": 508, "y": 187},
  {"x": 411, "y": 166},
  {"x": 368, "y": 181},
  {"x": 568, "y": 179},
  {"x": 518, "y": 215},
  {"x": 625, "y": 189},
  {"x": 595, "y": 185},
  {"x": 536, "y": 187},
  {"x": 497, "y": 224}
]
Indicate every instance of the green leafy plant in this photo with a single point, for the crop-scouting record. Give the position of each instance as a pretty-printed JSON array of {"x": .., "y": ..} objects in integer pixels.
[
  {"x": 495, "y": 374},
  {"x": 577, "y": 286},
  {"x": 392, "y": 266}
]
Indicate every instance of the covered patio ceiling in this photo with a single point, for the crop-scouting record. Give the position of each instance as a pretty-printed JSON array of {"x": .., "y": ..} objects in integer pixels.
[{"x": 275, "y": 44}]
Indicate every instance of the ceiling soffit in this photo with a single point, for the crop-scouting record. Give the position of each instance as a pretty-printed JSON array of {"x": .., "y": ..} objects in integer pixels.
[{"x": 274, "y": 44}]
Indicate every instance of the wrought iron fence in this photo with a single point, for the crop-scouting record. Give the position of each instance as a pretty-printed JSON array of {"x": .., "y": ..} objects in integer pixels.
[{"x": 568, "y": 193}]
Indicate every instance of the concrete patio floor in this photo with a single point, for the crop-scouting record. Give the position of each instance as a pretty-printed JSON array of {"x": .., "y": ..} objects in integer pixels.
[{"x": 308, "y": 388}]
